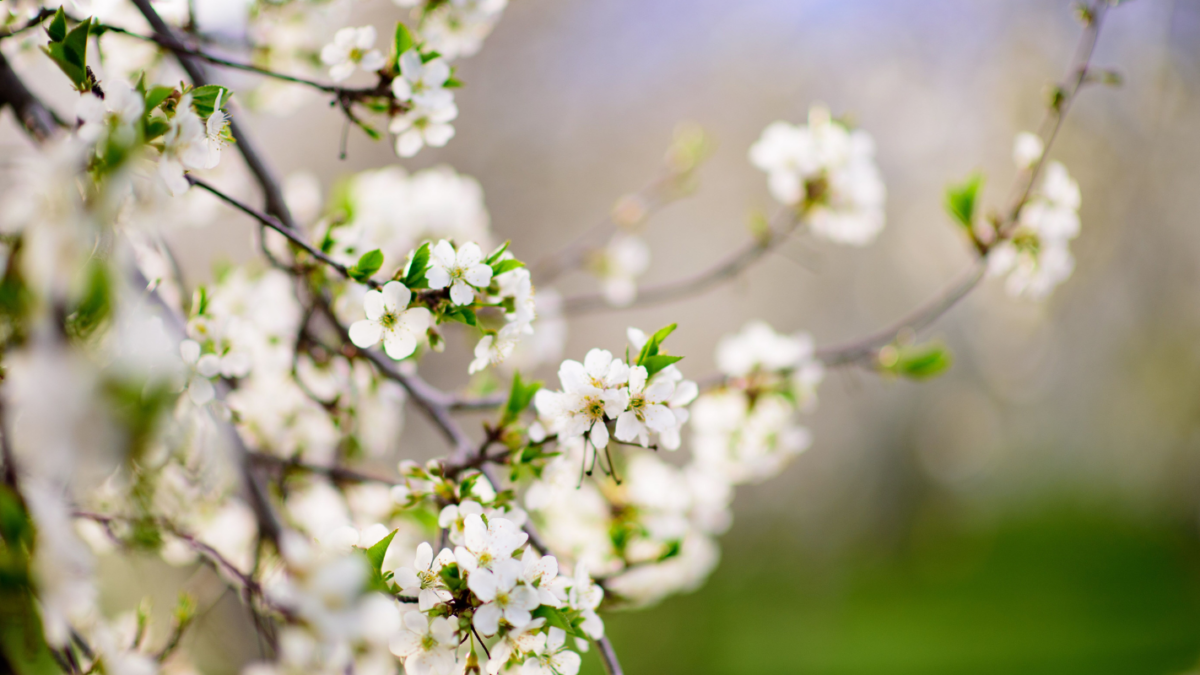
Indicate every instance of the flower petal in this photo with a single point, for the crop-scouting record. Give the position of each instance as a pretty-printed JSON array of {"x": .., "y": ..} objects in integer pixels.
[
  {"x": 365, "y": 333},
  {"x": 373, "y": 304},
  {"x": 395, "y": 296}
]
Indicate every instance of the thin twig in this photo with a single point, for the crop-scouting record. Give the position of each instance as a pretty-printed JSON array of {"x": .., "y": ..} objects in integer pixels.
[
  {"x": 33, "y": 22},
  {"x": 682, "y": 288},
  {"x": 334, "y": 473}
]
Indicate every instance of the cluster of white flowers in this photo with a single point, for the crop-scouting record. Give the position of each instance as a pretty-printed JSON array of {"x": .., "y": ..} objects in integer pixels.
[
  {"x": 653, "y": 534},
  {"x": 828, "y": 172},
  {"x": 1036, "y": 256},
  {"x": 422, "y": 85},
  {"x": 603, "y": 389}
]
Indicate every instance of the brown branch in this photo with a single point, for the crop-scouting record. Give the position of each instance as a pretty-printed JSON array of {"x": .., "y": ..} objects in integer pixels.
[
  {"x": 33, "y": 22},
  {"x": 39, "y": 121},
  {"x": 698, "y": 283},
  {"x": 334, "y": 473}
]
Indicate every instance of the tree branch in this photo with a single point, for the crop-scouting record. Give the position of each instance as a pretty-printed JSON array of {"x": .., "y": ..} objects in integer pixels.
[
  {"x": 38, "y": 120},
  {"x": 698, "y": 283}
]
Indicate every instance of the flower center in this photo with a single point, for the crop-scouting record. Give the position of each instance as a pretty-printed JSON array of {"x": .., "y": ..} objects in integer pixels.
[
  {"x": 356, "y": 55},
  {"x": 428, "y": 642},
  {"x": 637, "y": 404},
  {"x": 502, "y": 599},
  {"x": 389, "y": 320},
  {"x": 593, "y": 407}
]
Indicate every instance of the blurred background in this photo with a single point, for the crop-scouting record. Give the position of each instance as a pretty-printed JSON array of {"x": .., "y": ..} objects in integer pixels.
[{"x": 1034, "y": 510}]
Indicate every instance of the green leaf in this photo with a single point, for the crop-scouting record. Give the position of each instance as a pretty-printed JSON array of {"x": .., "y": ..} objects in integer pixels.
[
  {"x": 655, "y": 363},
  {"x": 375, "y": 553},
  {"x": 452, "y": 83},
  {"x": 367, "y": 265},
  {"x": 58, "y": 27},
  {"x": 519, "y": 397},
  {"x": 155, "y": 127},
  {"x": 555, "y": 617},
  {"x": 57, "y": 53},
  {"x": 653, "y": 343},
  {"x": 417, "y": 266},
  {"x": 204, "y": 99},
  {"x": 461, "y": 314},
  {"x": 506, "y": 266},
  {"x": 156, "y": 96},
  {"x": 495, "y": 255},
  {"x": 404, "y": 39},
  {"x": 961, "y": 199},
  {"x": 917, "y": 362}
]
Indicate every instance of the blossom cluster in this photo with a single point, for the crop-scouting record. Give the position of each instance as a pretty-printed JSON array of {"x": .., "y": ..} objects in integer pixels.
[
  {"x": 1036, "y": 256},
  {"x": 828, "y": 172}
]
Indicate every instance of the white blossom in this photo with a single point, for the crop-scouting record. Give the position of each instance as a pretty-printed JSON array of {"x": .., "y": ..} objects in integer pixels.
[
  {"x": 388, "y": 320},
  {"x": 463, "y": 271},
  {"x": 556, "y": 659},
  {"x": 427, "y": 647},
  {"x": 592, "y": 391},
  {"x": 829, "y": 172},
  {"x": 505, "y": 598},
  {"x": 423, "y": 126},
  {"x": 422, "y": 580},
  {"x": 422, "y": 82},
  {"x": 351, "y": 49}
]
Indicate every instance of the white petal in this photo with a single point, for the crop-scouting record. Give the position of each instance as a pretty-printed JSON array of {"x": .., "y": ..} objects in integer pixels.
[
  {"x": 437, "y": 277},
  {"x": 442, "y": 254},
  {"x": 411, "y": 66},
  {"x": 416, "y": 320},
  {"x": 658, "y": 417},
  {"x": 424, "y": 556},
  {"x": 628, "y": 426},
  {"x": 438, "y": 134},
  {"x": 373, "y": 304},
  {"x": 436, "y": 73},
  {"x": 209, "y": 365},
  {"x": 409, "y": 143},
  {"x": 365, "y": 333},
  {"x": 487, "y": 619},
  {"x": 599, "y": 435},
  {"x": 469, "y": 254},
  {"x": 200, "y": 391},
  {"x": 479, "y": 276},
  {"x": 189, "y": 351},
  {"x": 395, "y": 296},
  {"x": 596, "y": 363},
  {"x": 461, "y": 293},
  {"x": 399, "y": 344}
]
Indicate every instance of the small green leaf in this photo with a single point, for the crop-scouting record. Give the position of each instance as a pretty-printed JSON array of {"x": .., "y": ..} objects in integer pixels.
[
  {"x": 555, "y": 617},
  {"x": 519, "y": 397},
  {"x": 503, "y": 266},
  {"x": 417, "y": 266},
  {"x": 452, "y": 83},
  {"x": 917, "y": 362},
  {"x": 961, "y": 199},
  {"x": 155, "y": 127},
  {"x": 653, "y": 343},
  {"x": 495, "y": 255},
  {"x": 404, "y": 39},
  {"x": 57, "y": 53},
  {"x": 156, "y": 96},
  {"x": 58, "y": 27},
  {"x": 75, "y": 47},
  {"x": 204, "y": 99},
  {"x": 655, "y": 363},
  {"x": 376, "y": 552},
  {"x": 461, "y": 314},
  {"x": 367, "y": 265}
]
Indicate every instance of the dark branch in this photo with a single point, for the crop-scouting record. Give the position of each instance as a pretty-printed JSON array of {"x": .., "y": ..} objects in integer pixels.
[{"x": 39, "y": 121}]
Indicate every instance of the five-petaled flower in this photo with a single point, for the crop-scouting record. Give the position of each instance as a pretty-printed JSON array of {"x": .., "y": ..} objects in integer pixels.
[
  {"x": 352, "y": 48},
  {"x": 460, "y": 271},
  {"x": 388, "y": 320}
]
